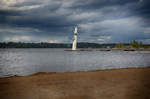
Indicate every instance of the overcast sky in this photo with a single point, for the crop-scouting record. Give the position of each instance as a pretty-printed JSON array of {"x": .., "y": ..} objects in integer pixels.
[{"x": 99, "y": 21}]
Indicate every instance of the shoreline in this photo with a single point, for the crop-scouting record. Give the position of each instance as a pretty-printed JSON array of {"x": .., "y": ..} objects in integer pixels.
[
  {"x": 38, "y": 73},
  {"x": 126, "y": 83}
]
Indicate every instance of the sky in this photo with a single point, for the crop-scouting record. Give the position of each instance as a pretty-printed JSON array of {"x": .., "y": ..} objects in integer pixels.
[{"x": 53, "y": 21}]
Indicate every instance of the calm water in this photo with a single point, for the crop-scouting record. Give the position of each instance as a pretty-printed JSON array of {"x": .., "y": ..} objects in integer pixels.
[{"x": 28, "y": 61}]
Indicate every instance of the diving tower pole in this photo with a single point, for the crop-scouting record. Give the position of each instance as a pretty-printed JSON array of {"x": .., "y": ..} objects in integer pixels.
[{"x": 74, "y": 44}]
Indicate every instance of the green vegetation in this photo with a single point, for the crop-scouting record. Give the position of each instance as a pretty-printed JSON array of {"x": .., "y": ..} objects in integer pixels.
[
  {"x": 133, "y": 44},
  {"x": 32, "y": 45},
  {"x": 120, "y": 45},
  {"x": 53, "y": 45}
]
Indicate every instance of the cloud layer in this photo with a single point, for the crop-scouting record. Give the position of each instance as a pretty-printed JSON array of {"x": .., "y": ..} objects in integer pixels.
[{"x": 99, "y": 21}]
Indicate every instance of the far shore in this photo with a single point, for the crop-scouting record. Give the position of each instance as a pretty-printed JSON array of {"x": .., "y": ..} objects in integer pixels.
[{"x": 131, "y": 83}]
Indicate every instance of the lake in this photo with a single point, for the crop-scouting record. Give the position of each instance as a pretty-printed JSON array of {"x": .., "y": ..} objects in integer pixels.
[{"x": 28, "y": 61}]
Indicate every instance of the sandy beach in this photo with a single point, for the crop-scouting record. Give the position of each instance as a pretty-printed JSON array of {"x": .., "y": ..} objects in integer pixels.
[{"x": 101, "y": 84}]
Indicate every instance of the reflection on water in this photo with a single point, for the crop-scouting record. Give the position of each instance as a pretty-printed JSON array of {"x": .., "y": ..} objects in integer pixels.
[{"x": 28, "y": 61}]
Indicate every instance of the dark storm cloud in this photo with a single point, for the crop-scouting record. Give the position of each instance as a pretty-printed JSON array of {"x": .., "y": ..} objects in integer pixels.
[
  {"x": 101, "y": 21},
  {"x": 96, "y": 4}
]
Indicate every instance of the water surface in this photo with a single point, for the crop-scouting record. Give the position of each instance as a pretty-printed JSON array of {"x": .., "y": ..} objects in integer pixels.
[{"x": 28, "y": 61}]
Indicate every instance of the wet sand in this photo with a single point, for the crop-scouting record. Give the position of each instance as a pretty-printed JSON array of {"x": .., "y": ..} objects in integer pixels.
[{"x": 102, "y": 84}]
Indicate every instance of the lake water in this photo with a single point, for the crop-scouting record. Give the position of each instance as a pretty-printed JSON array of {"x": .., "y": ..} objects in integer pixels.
[{"x": 28, "y": 61}]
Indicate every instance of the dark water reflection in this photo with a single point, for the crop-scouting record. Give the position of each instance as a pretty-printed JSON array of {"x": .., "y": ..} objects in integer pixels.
[{"x": 29, "y": 61}]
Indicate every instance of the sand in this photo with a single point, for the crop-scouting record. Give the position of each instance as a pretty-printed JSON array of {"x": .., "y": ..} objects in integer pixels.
[{"x": 102, "y": 84}]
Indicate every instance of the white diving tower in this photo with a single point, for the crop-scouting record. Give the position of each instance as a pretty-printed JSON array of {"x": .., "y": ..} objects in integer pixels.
[{"x": 74, "y": 44}]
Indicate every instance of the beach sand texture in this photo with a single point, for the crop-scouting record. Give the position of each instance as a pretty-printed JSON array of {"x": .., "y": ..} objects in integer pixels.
[{"x": 101, "y": 84}]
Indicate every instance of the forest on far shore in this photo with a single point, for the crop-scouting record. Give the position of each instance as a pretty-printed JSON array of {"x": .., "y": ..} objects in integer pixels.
[{"x": 132, "y": 44}]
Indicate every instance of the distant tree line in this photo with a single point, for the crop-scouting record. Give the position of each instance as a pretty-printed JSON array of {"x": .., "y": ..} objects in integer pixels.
[
  {"x": 52, "y": 45},
  {"x": 133, "y": 44},
  {"x": 32, "y": 45}
]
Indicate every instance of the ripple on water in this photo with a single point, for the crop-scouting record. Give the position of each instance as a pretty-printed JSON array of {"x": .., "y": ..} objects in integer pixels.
[{"x": 28, "y": 61}]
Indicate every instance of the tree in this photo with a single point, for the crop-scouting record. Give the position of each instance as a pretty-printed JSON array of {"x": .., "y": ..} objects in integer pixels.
[
  {"x": 135, "y": 44},
  {"x": 141, "y": 45},
  {"x": 120, "y": 45}
]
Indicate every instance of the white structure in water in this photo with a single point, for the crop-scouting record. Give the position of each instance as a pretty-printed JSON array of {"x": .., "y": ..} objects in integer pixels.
[{"x": 74, "y": 44}]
